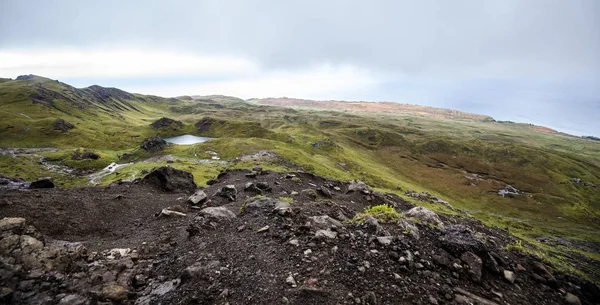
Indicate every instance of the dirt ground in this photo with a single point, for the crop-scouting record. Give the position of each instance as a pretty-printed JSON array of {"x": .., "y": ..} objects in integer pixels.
[{"x": 257, "y": 253}]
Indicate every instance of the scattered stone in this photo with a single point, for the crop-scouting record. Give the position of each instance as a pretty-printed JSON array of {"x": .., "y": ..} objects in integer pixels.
[
  {"x": 228, "y": 192},
  {"x": 170, "y": 179},
  {"x": 218, "y": 213},
  {"x": 113, "y": 292},
  {"x": 291, "y": 281},
  {"x": 198, "y": 198},
  {"x": 425, "y": 215},
  {"x": 263, "y": 229},
  {"x": 326, "y": 234},
  {"x": 475, "y": 265},
  {"x": 509, "y": 276},
  {"x": 572, "y": 299},
  {"x": 385, "y": 240},
  {"x": 458, "y": 239},
  {"x": 42, "y": 183}
]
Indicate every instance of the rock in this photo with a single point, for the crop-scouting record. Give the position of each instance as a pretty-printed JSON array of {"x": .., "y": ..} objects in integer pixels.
[
  {"x": 294, "y": 242},
  {"x": 572, "y": 299},
  {"x": 85, "y": 155},
  {"x": 166, "y": 122},
  {"x": 433, "y": 300},
  {"x": 374, "y": 225},
  {"x": 196, "y": 270},
  {"x": 263, "y": 229},
  {"x": 409, "y": 227},
  {"x": 198, "y": 198},
  {"x": 442, "y": 258},
  {"x": 14, "y": 224},
  {"x": 251, "y": 187},
  {"x": 358, "y": 186},
  {"x": 325, "y": 192},
  {"x": 263, "y": 186},
  {"x": 153, "y": 144},
  {"x": 219, "y": 213},
  {"x": 310, "y": 193},
  {"x": 166, "y": 287},
  {"x": 458, "y": 239},
  {"x": 475, "y": 265},
  {"x": 291, "y": 281},
  {"x": 294, "y": 193},
  {"x": 113, "y": 292},
  {"x": 326, "y": 234},
  {"x": 73, "y": 299},
  {"x": 509, "y": 276},
  {"x": 62, "y": 125},
  {"x": 282, "y": 207},
  {"x": 42, "y": 183},
  {"x": 470, "y": 298},
  {"x": 229, "y": 192},
  {"x": 324, "y": 222},
  {"x": 170, "y": 179},
  {"x": 6, "y": 295},
  {"x": 168, "y": 212},
  {"x": 385, "y": 240},
  {"x": 425, "y": 215}
]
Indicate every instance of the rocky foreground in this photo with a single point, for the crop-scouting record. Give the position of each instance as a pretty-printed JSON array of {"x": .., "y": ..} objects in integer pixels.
[{"x": 258, "y": 237}]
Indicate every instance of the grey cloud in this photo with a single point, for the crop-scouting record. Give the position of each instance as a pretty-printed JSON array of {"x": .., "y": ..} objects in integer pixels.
[{"x": 539, "y": 37}]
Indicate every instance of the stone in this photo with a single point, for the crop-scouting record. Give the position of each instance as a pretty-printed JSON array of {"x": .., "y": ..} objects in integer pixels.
[
  {"x": 358, "y": 186},
  {"x": 326, "y": 234},
  {"x": 170, "y": 179},
  {"x": 475, "y": 265},
  {"x": 458, "y": 239},
  {"x": 291, "y": 281},
  {"x": 409, "y": 228},
  {"x": 324, "y": 222},
  {"x": 197, "y": 198},
  {"x": 572, "y": 299},
  {"x": 294, "y": 242},
  {"x": 325, "y": 192},
  {"x": 220, "y": 213},
  {"x": 424, "y": 215},
  {"x": 14, "y": 224},
  {"x": 263, "y": 229},
  {"x": 251, "y": 187},
  {"x": 385, "y": 240},
  {"x": 73, "y": 299},
  {"x": 113, "y": 292},
  {"x": 509, "y": 276},
  {"x": 42, "y": 183},
  {"x": 196, "y": 270},
  {"x": 263, "y": 186},
  {"x": 167, "y": 212},
  {"x": 282, "y": 207},
  {"x": 228, "y": 192}
]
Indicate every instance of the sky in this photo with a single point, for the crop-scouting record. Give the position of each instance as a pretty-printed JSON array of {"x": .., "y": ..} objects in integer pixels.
[{"x": 532, "y": 61}]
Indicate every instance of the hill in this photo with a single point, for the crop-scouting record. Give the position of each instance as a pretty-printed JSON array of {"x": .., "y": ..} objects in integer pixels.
[{"x": 541, "y": 187}]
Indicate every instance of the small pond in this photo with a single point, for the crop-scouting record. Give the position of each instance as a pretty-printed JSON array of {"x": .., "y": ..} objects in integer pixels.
[{"x": 187, "y": 139}]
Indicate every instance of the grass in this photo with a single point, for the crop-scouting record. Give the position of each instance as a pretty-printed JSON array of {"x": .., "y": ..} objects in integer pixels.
[{"x": 383, "y": 213}]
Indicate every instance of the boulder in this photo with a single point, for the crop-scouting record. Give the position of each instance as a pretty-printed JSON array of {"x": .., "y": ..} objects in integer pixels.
[
  {"x": 358, "y": 186},
  {"x": 228, "y": 192},
  {"x": 424, "y": 215},
  {"x": 15, "y": 225},
  {"x": 153, "y": 144},
  {"x": 324, "y": 222},
  {"x": 170, "y": 179},
  {"x": 458, "y": 239},
  {"x": 166, "y": 122},
  {"x": 42, "y": 183},
  {"x": 113, "y": 292},
  {"x": 475, "y": 265},
  {"x": 217, "y": 213},
  {"x": 197, "y": 198},
  {"x": 62, "y": 125}
]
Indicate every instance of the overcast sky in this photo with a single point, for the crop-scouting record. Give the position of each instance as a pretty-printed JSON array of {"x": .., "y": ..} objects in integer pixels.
[{"x": 520, "y": 60}]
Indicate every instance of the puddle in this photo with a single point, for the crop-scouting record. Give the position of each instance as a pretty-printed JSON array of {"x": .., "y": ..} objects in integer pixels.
[{"x": 187, "y": 140}]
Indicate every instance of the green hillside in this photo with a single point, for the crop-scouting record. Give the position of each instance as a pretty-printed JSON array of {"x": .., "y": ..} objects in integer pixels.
[{"x": 465, "y": 163}]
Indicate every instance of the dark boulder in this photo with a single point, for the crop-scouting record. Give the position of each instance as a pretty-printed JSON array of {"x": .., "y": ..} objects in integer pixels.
[
  {"x": 206, "y": 123},
  {"x": 166, "y": 122},
  {"x": 153, "y": 144},
  {"x": 42, "y": 183},
  {"x": 170, "y": 179},
  {"x": 62, "y": 125},
  {"x": 458, "y": 239},
  {"x": 85, "y": 155}
]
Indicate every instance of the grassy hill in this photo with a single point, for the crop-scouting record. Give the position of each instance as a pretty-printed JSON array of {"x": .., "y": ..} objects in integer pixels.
[{"x": 461, "y": 158}]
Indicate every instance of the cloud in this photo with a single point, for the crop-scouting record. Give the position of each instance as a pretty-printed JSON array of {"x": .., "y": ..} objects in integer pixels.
[
  {"x": 73, "y": 63},
  {"x": 317, "y": 82}
]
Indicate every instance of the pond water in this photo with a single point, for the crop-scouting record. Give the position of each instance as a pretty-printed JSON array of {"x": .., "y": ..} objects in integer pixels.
[{"x": 186, "y": 139}]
